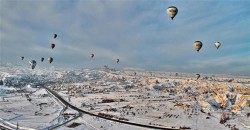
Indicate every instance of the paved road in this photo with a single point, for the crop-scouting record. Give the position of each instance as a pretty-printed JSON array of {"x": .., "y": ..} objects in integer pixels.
[
  {"x": 4, "y": 128},
  {"x": 111, "y": 119}
]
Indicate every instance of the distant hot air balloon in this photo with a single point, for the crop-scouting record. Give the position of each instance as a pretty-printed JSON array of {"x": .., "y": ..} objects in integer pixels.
[
  {"x": 172, "y": 11},
  {"x": 50, "y": 59},
  {"x": 42, "y": 59},
  {"x": 197, "y": 45},
  {"x": 198, "y": 76},
  {"x": 21, "y": 57},
  {"x": 52, "y": 45},
  {"x": 92, "y": 55},
  {"x": 55, "y": 36},
  {"x": 117, "y": 60},
  {"x": 32, "y": 64},
  {"x": 217, "y": 45}
]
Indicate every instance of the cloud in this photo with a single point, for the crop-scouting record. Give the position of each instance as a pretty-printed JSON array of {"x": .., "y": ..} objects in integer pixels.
[
  {"x": 138, "y": 32},
  {"x": 229, "y": 65}
]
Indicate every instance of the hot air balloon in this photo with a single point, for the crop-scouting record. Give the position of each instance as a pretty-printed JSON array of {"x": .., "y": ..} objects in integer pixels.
[
  {"x": 50, "y": 59},
  {"x": 117, "y": 60},
  {"x": 55, "y": 36},
  {"x": 32, "y": 64},
  {"x": 172, "y": 11},
  {"x": 197, "y": 45},
  {"x": 217, "y": 45},
  {"x": 42, "y": 59},
  {"x": 92, "y": 55},
  {"x": 52, "y": 45},
  {"x": 21, "y": 57},
  {"x": 198, "y": 76}
]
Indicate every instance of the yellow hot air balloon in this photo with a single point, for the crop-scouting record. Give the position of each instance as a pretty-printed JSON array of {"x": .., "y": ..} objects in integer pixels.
[{"x": 197, "y": 45}]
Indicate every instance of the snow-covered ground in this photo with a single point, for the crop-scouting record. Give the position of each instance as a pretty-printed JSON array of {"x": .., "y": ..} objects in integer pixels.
[
  {"x": 35, "y": 110},
  {"x": 152, "y": 98}
]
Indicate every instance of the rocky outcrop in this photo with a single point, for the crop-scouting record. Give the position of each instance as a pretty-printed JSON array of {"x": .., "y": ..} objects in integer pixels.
[{"x": 1, "y": 82}]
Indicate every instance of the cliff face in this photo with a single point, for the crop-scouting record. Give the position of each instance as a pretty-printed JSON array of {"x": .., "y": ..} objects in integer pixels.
[
  {"x": 234, "y": 102},
  {"x": 221, "y": 99},
  {"x": 241, "y": 102}
]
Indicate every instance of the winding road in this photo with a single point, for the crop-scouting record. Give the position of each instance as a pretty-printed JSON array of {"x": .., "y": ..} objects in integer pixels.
[{"x": 111, "y": 119}]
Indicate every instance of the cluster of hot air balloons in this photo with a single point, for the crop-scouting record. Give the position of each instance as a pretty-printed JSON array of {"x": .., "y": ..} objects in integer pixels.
[
  {"x": 50, "y": 59},
  {"x": 198, "y": 45},
  {"x": 53, "y": 44},
  {"x": 92, "y": 56},
  {"x": 172, "y": 12},
  {"x": 33, "y": 63}
]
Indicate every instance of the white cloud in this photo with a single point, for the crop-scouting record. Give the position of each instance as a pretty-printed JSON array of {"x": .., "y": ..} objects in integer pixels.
[{"x": 138, "y": 32}]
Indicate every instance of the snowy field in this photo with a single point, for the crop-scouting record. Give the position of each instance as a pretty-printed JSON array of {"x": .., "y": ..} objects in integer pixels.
[
  {"x": 36, "y": 110},
  {"x": 166, "y": 99}
]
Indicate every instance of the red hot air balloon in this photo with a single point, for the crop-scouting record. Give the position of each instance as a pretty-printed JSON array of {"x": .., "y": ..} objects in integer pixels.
[{"x": 52, "y": 45}]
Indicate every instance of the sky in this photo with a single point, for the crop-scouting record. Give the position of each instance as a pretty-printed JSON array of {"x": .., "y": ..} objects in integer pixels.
[{"x": 138, "y": 32}]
